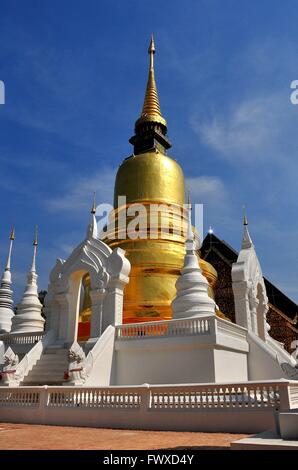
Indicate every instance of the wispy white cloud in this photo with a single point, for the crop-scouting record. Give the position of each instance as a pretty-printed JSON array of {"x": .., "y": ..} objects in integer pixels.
[
  {"x": 207, "y": 190},
  {"x": 78, "y": 193},
  {"x": 251, "y": 131}
]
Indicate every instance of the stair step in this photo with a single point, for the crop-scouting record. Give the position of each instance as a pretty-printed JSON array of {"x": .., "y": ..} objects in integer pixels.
[
  {"x": 50, "y": 368},
  {"x": 45, "y": 378},
  {"x": 49, "y": 373},
  {"x": 55, "y": 354},
  {"x": 41, "y": 382},
  {"x": 47, "y": 363}
]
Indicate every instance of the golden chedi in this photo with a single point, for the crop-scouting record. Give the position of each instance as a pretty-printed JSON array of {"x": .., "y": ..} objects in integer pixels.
[
  {"x": 147, "y": 177},
  {"x": 85, "y": 310}
]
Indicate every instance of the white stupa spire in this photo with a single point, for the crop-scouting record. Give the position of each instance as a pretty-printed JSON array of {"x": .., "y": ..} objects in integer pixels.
[
  {"x": 6, "y": 299},
  {"x": 190, "y": 240},
  {"x": 92, "y": 227},
  {"x": 246, "y": 240},
  {"x": 28, "y": 317},
  {"x": 35, "y": 244},
  {"x": 192, "y": 299}
]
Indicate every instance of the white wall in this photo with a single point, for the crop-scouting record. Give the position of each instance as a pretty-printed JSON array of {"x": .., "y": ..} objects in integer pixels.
[
  {"x": 176, "y": 360},
  {"x": 230, "y": 365},
  {"x": 234, "y": 421}
]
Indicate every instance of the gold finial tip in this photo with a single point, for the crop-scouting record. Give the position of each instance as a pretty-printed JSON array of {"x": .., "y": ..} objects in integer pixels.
[
  {"x": 93, "y": 208},
  {"x": 151, "y": 46},
  {"x": 12, "y": 234},
  {"x": 35, "y": 242},
  {"x": 188, "y": 198},
  {"x": 244, "y": 217}
]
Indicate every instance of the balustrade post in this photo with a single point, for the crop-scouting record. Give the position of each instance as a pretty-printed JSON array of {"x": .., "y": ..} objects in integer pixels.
[
  {"x": 43, "y": 403},
  {"x": 145, "y": 393},
  {"x": 284, "y": 397},
  {"x": 212, "y": 325}
]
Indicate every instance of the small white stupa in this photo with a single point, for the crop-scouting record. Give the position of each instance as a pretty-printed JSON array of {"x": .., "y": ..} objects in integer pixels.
[
  {"x": 6, "y": 300},
  {"x": 192, "y": 299},
  {"x": 28, "y": 317}
]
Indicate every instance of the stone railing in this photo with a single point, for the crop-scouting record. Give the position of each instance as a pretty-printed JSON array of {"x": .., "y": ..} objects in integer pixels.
[
  {"x": 231, "y": 329},
  {"x": 240, "y": 407},
  {"x": 21, "y": 338},
  {"x": 249, "y": 395},
  {"x": 189, "y": 326},
  {"x": 267, "y": 394},
  {"x": 20, "y": 397},
  {"x": 293, "y": 394},
  {"x": 94, "y": 398}
]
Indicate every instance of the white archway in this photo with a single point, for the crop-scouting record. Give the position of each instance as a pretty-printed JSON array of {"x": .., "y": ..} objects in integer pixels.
[
  {"x": 108, "y": 270},
  {"x": 251, "y": 301}
]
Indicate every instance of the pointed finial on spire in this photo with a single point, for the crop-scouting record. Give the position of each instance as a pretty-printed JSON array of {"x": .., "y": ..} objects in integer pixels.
[
  {"x": 11, "y": 238},
  {"x": 190, "y": 242},
  {"x": 35, "y": 242},
  {"x": 188, "y": 199},
  {"x": 12, "y": 233},
  {"x": 151, "y": 51},
  {"x": 246, "y": 240},
  {"x": 244, "y": 216},
  {"x": 151, "y": 109},
  {"x": 93, "y": 209},
  {"x": 92, "y": 227}
]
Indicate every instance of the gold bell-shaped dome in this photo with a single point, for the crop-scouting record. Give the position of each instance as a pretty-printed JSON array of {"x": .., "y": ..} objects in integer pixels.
[{"x": 149, "y": 176}]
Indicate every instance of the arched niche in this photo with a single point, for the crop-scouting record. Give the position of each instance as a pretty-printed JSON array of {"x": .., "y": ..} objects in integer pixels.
[{"x": 108, "y": 270}]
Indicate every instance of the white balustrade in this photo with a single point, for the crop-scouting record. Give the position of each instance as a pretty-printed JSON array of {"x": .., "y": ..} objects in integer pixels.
[
  {"x": 19, "y": 397},
  {"x": 94, "y": 398},
  {"x": 191, "y": 326},
  {"x": 257, "y": 395},
  {"x": 250, "y": 395},
  {"x": 21, "y": 338},
  {"x": 293, "y": 394}
]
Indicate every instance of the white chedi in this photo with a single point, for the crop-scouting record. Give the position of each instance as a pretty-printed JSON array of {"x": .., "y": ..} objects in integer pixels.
[
  {"x": 6, "y": 299},
  {"x": 192, "y": 299},
  {"x": 28, "y": 318}
]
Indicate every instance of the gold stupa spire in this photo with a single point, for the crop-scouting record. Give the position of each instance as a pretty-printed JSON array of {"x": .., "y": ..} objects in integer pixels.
[{"x": 151, "y": 109}]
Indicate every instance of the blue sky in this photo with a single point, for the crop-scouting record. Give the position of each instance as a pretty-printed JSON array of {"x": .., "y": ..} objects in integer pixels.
[{"x": 75, "y": 75}]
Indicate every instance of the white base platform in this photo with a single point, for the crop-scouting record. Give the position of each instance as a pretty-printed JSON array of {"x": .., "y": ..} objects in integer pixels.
[
  {"x": 267, "y": 440},
  {"x": 288, "y": 424}
]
